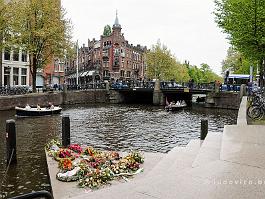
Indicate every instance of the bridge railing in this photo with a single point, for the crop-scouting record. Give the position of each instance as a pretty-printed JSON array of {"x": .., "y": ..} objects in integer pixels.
[
  {"x": 163, "y": 85},
  {"x": 100, "y": 85},
  {"x": 201, "y": 86}
]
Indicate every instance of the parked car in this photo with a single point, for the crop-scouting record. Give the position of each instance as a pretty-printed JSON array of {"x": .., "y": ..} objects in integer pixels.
[{"x": 119, "y": 85}]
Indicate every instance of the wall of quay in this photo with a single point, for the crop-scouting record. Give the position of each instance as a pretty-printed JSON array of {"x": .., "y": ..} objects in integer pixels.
[
  {"x": 223, "y": 100},
  {"x": 57, "y": 98},
  {"x": 213, "y": 100}
]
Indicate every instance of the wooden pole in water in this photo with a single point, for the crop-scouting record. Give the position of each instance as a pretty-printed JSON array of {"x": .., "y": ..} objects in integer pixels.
[
  {"x": 204, "y": 129},
  {"x": 65, "y": 131},
  {"x": 11, "y": 143}
]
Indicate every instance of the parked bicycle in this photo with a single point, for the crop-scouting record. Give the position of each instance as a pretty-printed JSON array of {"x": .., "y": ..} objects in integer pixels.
[{"x": 256, "y": 109}]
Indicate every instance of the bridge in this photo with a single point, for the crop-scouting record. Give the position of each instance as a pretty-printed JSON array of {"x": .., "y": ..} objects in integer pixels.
[{"x": 156, "y": 94}]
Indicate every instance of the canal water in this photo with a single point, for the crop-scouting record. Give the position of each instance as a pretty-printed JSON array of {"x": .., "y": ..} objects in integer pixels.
[{"x": 110, "y": 127}]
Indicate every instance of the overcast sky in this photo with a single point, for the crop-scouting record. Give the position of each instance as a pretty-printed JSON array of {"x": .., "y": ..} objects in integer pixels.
[{"x": 186, "y": 27}]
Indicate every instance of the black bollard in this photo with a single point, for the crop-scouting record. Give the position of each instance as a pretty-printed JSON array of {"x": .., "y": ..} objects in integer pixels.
[
  {"x": 65, "y": 131},
  {"x": 11, "y": 148},
  {"x": 204, "y": 129}
]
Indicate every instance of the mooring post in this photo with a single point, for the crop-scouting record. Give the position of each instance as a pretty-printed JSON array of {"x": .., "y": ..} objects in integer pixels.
[
  {"x": 65, "y": 131},
  {"x": 204, "y": 129},
  {"x": 11, "y": 143}
]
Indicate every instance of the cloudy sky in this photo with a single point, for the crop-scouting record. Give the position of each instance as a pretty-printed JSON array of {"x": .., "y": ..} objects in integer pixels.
[{"x": 186, "y": 27}]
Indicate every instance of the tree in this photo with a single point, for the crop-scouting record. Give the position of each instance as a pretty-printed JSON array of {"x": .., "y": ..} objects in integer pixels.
[
  {"x": 40, "y": 28},
  {"x": 178, "y": 72},
  {"x": 107, "y": 30},
  {"x": 4, "y": 29},
  {"x": 161, "y": 64},
  {"x": 237, "y": 63},
  {"x": 202, "y": 74},
  {"x": 244, "y": 22}
]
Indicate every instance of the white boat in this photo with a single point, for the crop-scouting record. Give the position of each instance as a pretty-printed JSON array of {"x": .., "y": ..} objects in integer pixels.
[
  {"x": 175, "y": 107},
  {"x": 37, "y": 111}
]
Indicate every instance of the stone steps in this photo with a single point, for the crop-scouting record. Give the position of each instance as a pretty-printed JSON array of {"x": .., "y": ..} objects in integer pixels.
[
  {"x": 210, "y": 150},
  {"x": 178, "y": 158},
  {"x": 172, "y": 164}
]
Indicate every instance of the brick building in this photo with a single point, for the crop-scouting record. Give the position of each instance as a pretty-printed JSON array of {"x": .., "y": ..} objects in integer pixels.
[{"x": 110, "y": 58}]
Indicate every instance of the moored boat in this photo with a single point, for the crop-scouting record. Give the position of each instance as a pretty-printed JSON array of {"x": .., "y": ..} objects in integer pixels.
[
  {"x": 175, "y": 107},
  {"x": 37, "y": 111}
]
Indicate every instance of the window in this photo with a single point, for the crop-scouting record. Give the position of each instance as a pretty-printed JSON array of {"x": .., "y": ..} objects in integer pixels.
[
  {"x": 106, "y": 64},
  {"x": 105, "y": 73},
  {"x": 23, "y": 76},
  {"x": 128, "y": 74},
  {"x": 122, "y": 73},
  {"x": 15, "y": 76},
  {"x": 7, "y": 76},
  {"x": 7, "y": 54},
  {"x": 15, "y": 54},
  {"x": 24, "y": 57},
  {"x": 61, "y": 67}
]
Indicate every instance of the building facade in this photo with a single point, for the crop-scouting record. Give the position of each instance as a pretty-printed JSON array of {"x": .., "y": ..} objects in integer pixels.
[
  {"x": 110, "y": 58},
  {"x": 52, "y": 75},
  {"x": 15, "y": 67}
]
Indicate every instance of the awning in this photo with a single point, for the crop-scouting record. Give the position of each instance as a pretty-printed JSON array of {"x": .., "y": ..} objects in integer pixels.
[
  {"x": 90, "y": 73},
  {"x": 83, "y": 74}
]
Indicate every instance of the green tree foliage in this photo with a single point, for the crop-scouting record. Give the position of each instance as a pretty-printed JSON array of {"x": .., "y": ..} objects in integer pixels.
[
  {"x": 161, "y": 64},
  {"x": 107, "y": 30},
  {"x": 41, "y": 28},
  {"x": 4, "y": 28},
  {"x": 244, "y": 22},
  {"x": 203, "y": 74},
  {"x": 236, "y": 63}
]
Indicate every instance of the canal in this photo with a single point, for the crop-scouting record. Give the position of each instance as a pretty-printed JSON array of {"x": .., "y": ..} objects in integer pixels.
[{"x": 110, "y": 127}]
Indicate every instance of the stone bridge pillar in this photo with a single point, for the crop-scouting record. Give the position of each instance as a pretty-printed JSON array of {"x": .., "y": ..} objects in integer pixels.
[{"x": 158, "y": 97}]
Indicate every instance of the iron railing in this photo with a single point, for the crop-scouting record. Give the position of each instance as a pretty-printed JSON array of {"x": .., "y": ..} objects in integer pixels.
[{"x": 14, "y": 90}]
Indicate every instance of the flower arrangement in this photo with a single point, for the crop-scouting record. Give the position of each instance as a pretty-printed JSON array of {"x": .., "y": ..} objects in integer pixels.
[
  {"x": 96, "y": 178},
  {"x": 53, "y": 142},
  {"x": 76, "y": 148},
  {"x": 94, "y": 168},
  {"x": 90, "y": 151},
  {"x": 137, "y": 156},
  {"x": 63, "y": 153},
  {"x": 65, "y": 164},
  {"x": 113, "y": 155}
]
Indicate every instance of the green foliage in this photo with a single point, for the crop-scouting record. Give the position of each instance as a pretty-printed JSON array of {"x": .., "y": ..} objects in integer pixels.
[
  {"x": 40, "y": 27},
  {"x": 107, "y": 30},
  {"x": 244, "y": 22},
  {"x": 163, "y": 65},
  {"x": 237, "y": 63},
  {"x": 5, "y": 14},
  {"x": 203, "y": 74}
]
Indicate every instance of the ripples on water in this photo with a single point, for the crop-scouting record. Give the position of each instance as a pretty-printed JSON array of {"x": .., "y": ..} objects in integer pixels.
[{"x": 111, "y": 127}]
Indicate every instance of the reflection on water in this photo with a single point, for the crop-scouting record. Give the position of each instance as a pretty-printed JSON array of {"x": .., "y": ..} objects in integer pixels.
[{"x": 112, "y": 127}]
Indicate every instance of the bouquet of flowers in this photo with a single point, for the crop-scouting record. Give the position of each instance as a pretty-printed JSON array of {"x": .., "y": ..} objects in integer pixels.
[
  {"x": 64, "y": 153},
  {"x": 91, "y": 151},
  {"x": 96, "y": 178},
  {"x": 66, "y": 164},
  {"x": 76, "y": 148},
  {"x": 52, "y": 143}
]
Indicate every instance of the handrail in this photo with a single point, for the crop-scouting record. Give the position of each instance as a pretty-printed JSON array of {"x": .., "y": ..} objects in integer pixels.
[{"x": 33, "y": 195}]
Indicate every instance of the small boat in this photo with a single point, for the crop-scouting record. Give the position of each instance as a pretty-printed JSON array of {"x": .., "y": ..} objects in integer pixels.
[
  {"x": 37, "y": 111},
  {"x": 175, "y": 107}
]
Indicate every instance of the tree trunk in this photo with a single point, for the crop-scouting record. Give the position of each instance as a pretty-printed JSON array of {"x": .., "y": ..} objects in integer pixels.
[
  {"x": 261, "y": 79},
  {"x": 1, "y": 61},
  {"x": 34, "y": 72}
]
